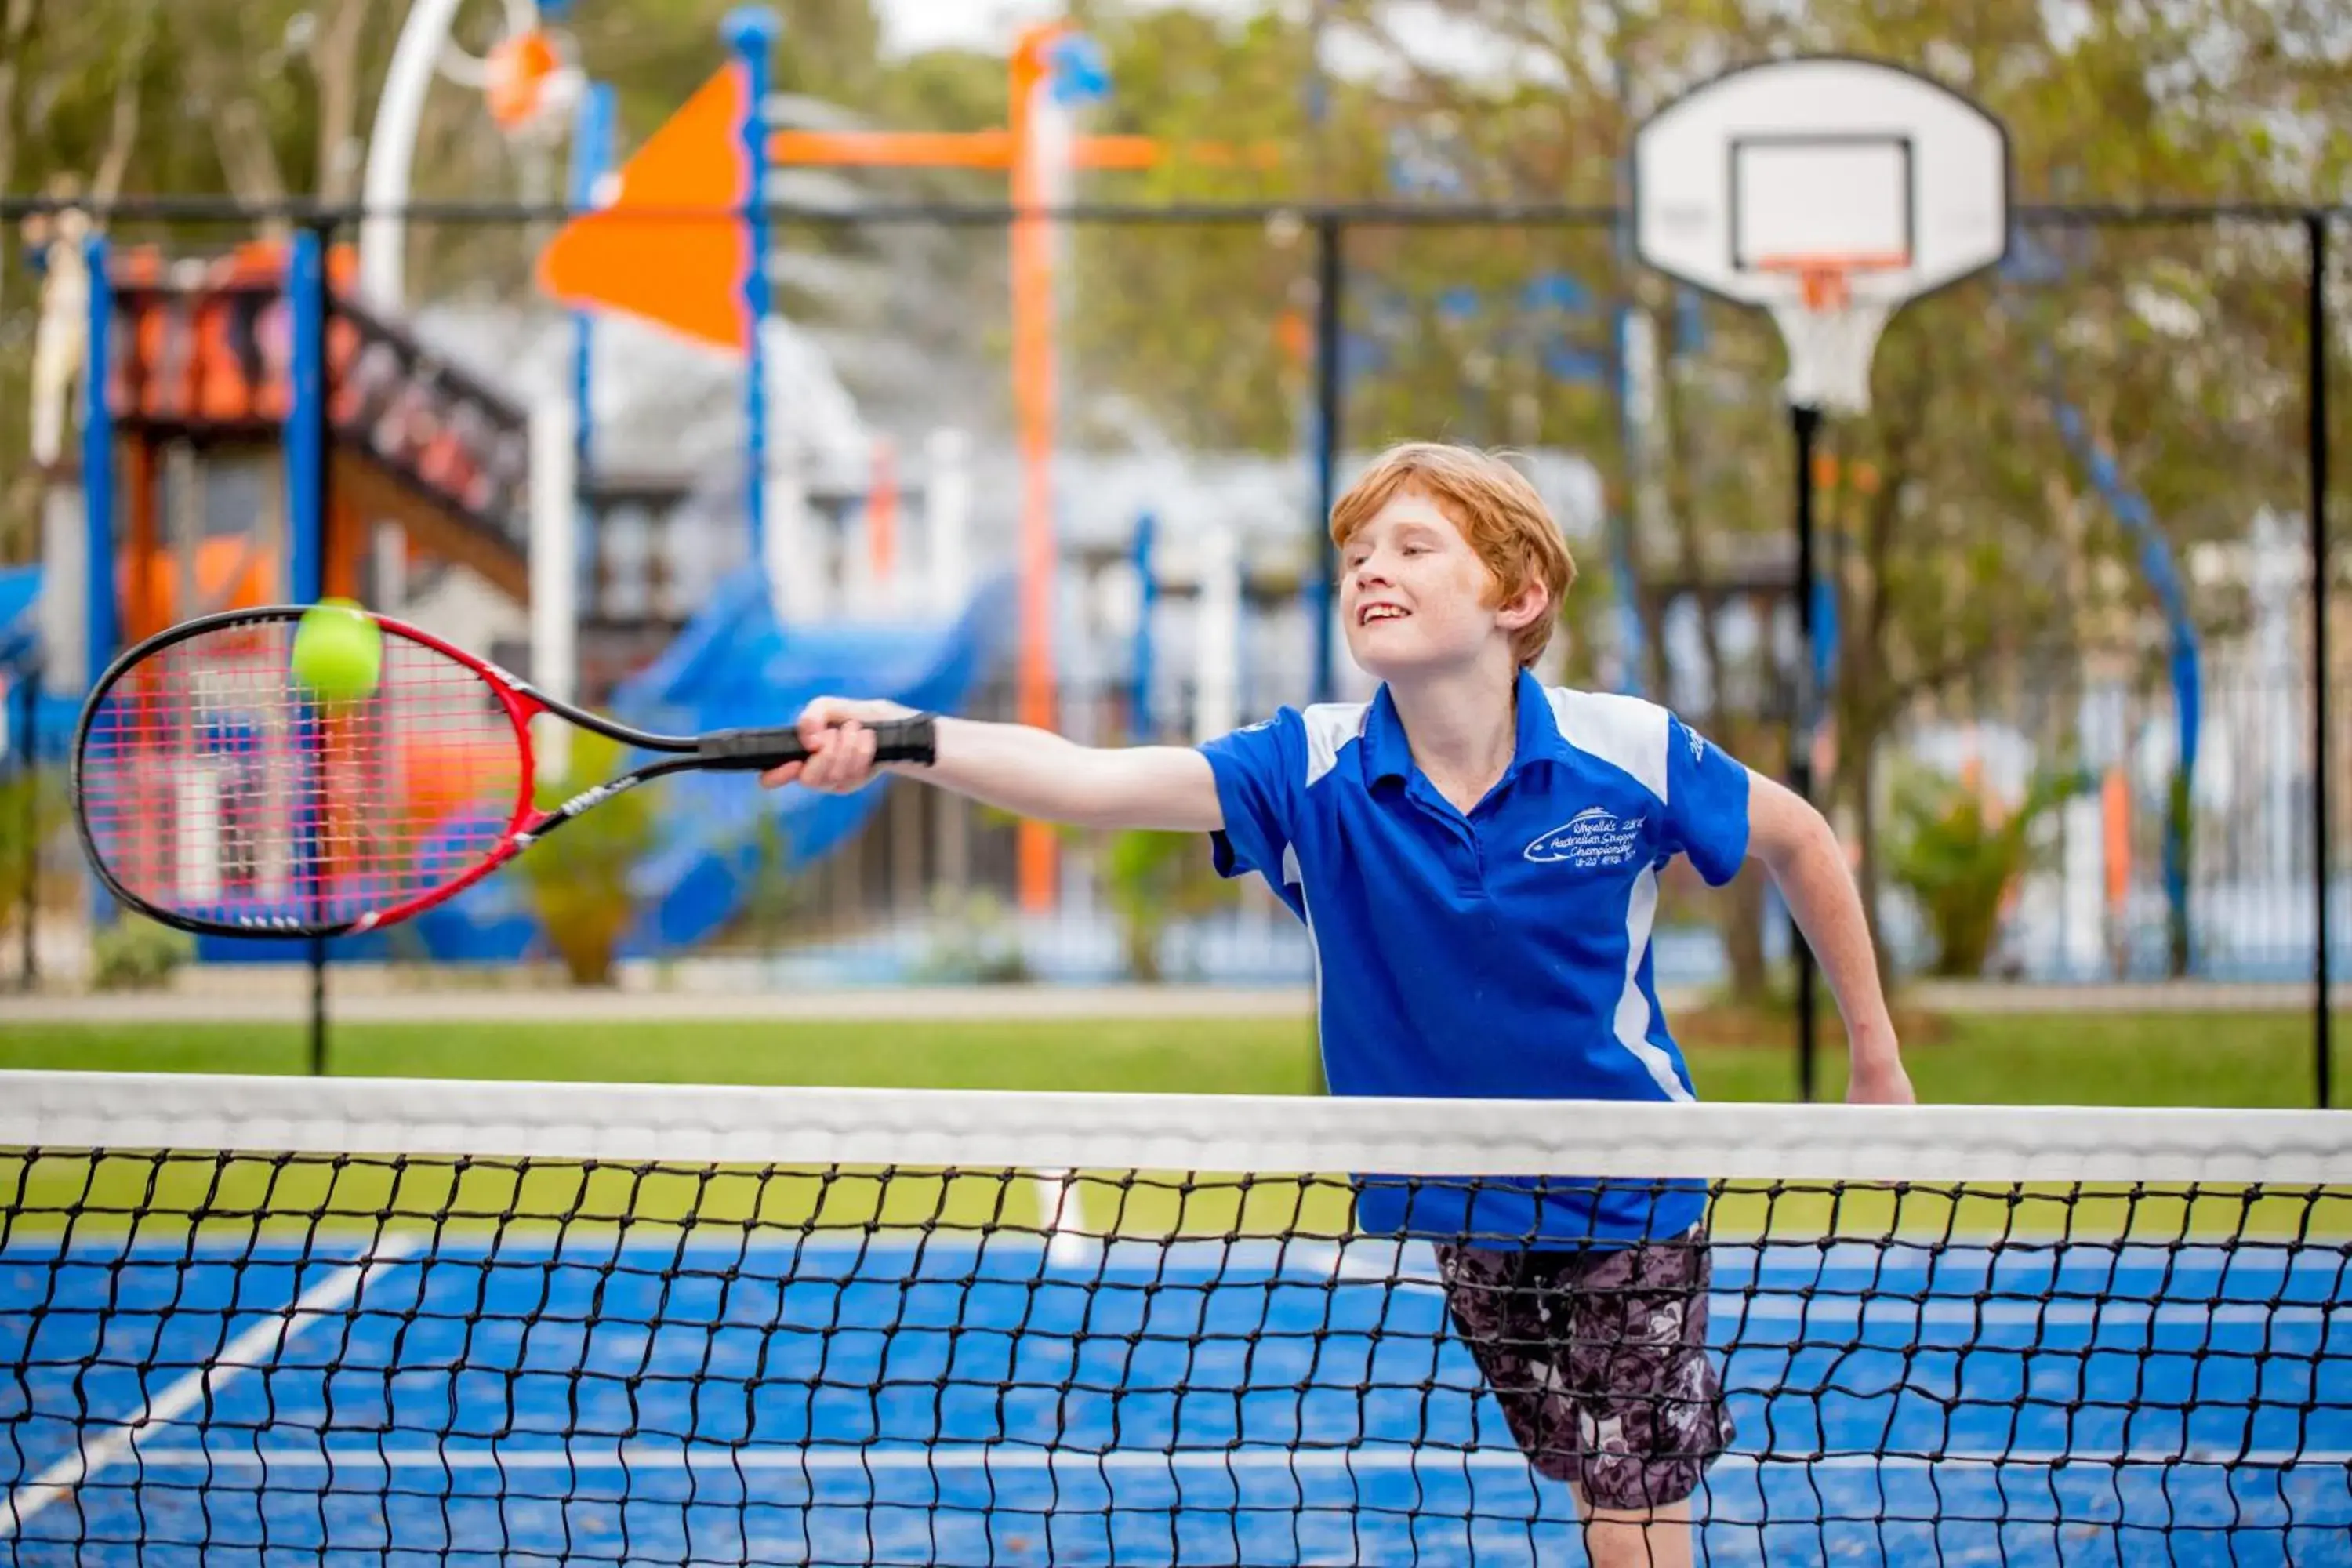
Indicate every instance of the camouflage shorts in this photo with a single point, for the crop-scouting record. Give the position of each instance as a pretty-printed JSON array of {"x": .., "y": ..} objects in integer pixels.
[{"x": 1598, "y": 1361}]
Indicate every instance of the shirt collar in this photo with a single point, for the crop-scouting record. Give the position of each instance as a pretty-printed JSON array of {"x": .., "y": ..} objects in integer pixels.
[{"x": 1388, "y": 754}]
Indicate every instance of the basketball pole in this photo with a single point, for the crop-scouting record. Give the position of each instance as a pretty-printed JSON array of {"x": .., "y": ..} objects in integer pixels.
[
  {"x": 27, "y": 743},
  {"x": 1716, "y": 206},
  {"x": 1804, "y": 421},
  {"x": 2323, "y": 1046}
]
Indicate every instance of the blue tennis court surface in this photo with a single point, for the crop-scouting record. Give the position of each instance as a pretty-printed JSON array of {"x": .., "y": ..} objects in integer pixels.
[{"x": 533, "y": 1399}]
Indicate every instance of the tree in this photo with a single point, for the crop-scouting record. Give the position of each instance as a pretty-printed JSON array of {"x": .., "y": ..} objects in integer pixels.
[{"x": 1977, "y": 565}]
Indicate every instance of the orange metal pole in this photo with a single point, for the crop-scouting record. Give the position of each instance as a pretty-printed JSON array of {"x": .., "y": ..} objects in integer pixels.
[
  {"x": 1034, "y": 389},
  {"x": 882, "y": 517},
  {"x": 343, "y": 525},
  {"x": 999, "y": 149},
  {"x": 1033, "y": 398},
  {"x": 145, "y": 613},
  {"x": 894, "y": 149}
]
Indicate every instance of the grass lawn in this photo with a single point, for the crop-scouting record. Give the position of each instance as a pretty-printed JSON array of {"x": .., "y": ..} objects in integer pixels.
[
  {"x": 2230, "y": 1059},
  {"x": 2192, "y": 1059}
]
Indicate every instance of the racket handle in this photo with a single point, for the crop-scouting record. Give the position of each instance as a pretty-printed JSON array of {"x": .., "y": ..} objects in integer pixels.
[{"x": 756, "y": 751}]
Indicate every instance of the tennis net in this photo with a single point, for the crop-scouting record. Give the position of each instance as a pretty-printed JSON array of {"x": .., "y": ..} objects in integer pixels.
[{"x": 398, "y": 1322}]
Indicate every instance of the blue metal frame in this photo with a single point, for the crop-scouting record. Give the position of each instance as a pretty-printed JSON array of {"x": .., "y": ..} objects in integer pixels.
[
  {"x": 750, "y": 33},
  {"x": 1139, "y": 715},
  {"x": 2183, "y": 659},
  {"x": 306, "y": 495},
  {"x": 2030, "y": 263},
  {"x": 591, "y": 158},
  {"x": 100, "y": 628}
]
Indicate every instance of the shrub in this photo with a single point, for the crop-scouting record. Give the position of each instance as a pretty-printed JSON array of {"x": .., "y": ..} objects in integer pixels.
[
  {"x": 1153, "y": 879},
  {"x": 1958, "y": 861},
  {"x": 579, "y": 879},
  {"x": 135, "y": 953}
]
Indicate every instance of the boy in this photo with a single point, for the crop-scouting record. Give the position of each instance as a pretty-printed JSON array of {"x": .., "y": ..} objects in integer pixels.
[{"x": 1476, "y": 858}]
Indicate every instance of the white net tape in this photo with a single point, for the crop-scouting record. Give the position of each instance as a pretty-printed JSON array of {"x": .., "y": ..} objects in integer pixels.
[{"x": 1059, "y": 1132}]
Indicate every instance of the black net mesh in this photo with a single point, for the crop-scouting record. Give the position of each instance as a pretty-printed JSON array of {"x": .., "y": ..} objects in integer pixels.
[{"x": 562, "y": 1348}]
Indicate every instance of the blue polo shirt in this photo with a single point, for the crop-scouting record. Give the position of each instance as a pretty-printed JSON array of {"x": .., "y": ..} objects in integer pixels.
[{"x": 1503, "y": 953}]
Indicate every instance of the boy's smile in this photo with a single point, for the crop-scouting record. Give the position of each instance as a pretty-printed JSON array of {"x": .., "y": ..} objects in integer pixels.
[{"x": 1415, "y": 595}]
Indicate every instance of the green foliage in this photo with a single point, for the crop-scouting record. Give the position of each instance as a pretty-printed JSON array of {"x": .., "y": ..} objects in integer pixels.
[
  {"x": 976, "y": 944},
  {"x": 134, "y": 954},
  {"x": 579, "y": 880},
  {"x": 38, "y": 800},
  {"x": 775, "y": 894},
  {"x": 1958, "y": 859},
  {"x": 1151, "y": 880}
]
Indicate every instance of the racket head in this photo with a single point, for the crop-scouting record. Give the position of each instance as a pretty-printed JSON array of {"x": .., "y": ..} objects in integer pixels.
[{"x": 213, "y": 792}]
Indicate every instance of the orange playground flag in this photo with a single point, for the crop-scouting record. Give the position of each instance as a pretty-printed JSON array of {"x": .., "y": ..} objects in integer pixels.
[{"x": 650, "y": 252}]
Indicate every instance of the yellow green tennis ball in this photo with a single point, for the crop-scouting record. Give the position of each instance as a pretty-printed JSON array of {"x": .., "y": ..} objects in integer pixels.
[{"x": 338, "y": 651}]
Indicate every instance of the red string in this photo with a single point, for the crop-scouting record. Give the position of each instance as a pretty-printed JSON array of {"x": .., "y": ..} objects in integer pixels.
[{"x": 213, "y": 786}]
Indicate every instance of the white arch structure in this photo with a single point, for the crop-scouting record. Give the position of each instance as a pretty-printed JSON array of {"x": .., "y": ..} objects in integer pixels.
[{"x": 424, "y": 49}]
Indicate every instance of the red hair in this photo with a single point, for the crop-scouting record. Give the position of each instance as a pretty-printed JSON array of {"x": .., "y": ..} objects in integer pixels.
[{"x": 1497, "y": 510}]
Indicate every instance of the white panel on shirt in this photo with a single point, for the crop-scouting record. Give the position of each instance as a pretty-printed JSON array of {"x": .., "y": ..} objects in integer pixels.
[
  {"x": 1329, "y": 726},
  {"x": 1624, "y": 732}
]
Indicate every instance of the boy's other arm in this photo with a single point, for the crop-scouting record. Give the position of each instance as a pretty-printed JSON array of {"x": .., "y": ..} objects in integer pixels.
[
  {"x": 1797, "y": 845},
  {"x": 1028, "y": 771}
]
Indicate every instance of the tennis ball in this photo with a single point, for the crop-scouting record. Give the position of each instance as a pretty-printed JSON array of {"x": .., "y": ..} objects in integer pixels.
[{"x": 338, "y": 651}]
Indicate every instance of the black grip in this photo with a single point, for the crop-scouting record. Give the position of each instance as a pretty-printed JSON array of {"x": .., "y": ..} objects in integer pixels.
[{"x": 756, "y": 751}]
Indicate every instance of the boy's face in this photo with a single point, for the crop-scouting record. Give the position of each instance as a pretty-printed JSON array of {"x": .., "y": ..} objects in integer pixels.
[{"x": 1415, "y": 595}]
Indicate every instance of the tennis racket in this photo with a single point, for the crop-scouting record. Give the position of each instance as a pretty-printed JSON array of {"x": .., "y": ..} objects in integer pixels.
[{"x": 215, "y": 792}]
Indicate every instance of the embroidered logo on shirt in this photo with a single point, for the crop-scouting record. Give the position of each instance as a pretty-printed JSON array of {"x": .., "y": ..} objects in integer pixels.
[
  {"x": 1593, "y": 838},
  {"x": 1697, "y": 743}
]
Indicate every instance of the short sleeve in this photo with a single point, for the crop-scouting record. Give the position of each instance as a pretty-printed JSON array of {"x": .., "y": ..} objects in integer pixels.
[
  {"x": 1706, "y": 803},
  {"x": 1260, "y": 771}
]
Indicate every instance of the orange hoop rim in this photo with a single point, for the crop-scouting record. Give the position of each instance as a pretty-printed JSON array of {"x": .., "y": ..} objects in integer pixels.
[
  {"x": 527, "y": 76},
  {"x": 1826, "y": 278}
]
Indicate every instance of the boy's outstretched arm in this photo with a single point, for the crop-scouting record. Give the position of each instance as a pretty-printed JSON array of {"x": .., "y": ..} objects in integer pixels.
[
  {"x": 1031, "y": 772},
  {"x": 1795, "y": 843}
]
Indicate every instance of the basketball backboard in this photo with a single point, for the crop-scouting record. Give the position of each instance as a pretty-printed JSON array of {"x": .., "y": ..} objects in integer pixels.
[{"x": 1830, "y": 191}]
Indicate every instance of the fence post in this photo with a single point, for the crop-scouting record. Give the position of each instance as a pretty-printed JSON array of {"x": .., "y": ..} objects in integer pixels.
[
  {"x": 307, "y": 423},
  {"x": 1330, "y": 268},
  {"x": 2314, "y": 226},
  {"x": 29, "y": 757},
  {"x": 1805, "y": 422}
]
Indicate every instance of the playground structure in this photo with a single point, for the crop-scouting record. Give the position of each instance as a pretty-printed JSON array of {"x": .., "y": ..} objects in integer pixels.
[
  {"x": 714, "y": 155},
  {"x": 258, "y": 436},
  {"x": 266, "y": 427}
]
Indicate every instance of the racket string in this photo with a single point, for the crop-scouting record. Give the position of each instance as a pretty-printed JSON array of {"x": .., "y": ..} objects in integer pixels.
[{"x": 214, "y": 788}]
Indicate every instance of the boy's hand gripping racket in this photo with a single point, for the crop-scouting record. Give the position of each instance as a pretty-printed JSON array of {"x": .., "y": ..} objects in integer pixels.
[{"x": 217, "y": 791}]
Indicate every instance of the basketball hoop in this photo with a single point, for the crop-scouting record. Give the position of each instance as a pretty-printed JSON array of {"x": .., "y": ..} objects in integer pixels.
[
  {"x": 1829, "y": 190},
  {"x": 528, "y": 85},
  {"x": 529, "y": 79},
  {"x": 1832, "y": 323}
]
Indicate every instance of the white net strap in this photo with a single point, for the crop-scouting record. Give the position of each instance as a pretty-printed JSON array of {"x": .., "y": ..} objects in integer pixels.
[{"x": 1068, "y": 1131}]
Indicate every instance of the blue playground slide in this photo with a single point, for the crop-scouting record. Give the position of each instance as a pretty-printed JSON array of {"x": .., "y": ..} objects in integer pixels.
[
  {"x": 732, "y": 666},
  {"x": 53, "y": 717}
]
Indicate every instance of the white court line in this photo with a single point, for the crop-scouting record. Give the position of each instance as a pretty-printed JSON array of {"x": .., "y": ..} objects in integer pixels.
[
  {"x": 1737, "y": 1305},
  {"x": 1786, "y": 1307},
  {"x": 254, "y": 1348},
  {"x": 1254, "y": 1457}
]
